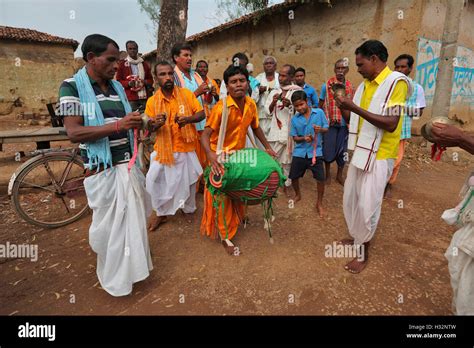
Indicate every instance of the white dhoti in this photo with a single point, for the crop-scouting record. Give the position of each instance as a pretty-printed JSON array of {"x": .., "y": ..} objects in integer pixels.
[
  {"x": 118, "y": 233},
  {"x": 265, "y": 124},
  {"x": 460, "y": 253},
  {"x": 283, "y": 156},
  {"x": 174, "y": 187},
  {"x": 362, "y": 200}
]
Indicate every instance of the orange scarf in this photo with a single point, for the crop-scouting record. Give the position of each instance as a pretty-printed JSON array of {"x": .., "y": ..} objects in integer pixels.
[{"x": 163, "y": 145}]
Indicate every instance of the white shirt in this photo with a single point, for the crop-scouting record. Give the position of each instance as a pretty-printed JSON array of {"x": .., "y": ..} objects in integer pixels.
[
  {"x": 262, "y": 98},
  {"x": 284, "y": 115}
]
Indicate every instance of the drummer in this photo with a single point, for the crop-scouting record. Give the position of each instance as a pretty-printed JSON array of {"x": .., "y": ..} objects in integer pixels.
[{"x": 242, "y": 113}]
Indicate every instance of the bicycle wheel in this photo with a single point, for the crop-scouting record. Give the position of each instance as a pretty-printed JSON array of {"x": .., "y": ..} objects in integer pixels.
[{"x": 49, "y": 191}]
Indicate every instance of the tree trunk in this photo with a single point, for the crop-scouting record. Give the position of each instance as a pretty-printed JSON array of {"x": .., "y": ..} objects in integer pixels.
[
  {"x": 447, "y": 61},
  {"x": 172, "y": 27}
]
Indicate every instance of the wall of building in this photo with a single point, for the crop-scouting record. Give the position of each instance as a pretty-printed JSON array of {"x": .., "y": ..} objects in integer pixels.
[
  {"x": 428, "y": 51},
  {"x": 315, "y": 36},
  {"x": 33, "y": 72}
]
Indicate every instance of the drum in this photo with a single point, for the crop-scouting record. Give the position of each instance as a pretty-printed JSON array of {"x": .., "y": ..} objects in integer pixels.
[{"x": 250, "y": 175}]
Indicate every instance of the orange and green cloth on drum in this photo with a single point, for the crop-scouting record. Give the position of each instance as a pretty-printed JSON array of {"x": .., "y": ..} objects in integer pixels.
[{"x": 250, "y": 176}]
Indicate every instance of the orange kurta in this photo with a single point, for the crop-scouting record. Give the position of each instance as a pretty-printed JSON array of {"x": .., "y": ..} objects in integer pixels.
[
  {"x": 235, "y": 138},
  {"x": 172, "y": 107}
]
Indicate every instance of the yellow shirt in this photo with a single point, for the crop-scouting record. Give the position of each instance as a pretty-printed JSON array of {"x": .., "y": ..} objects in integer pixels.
[
  {"x": 389, "y": 145},
  {"x": 171, "y": 107},
  {"x": 237, "y": 123}
]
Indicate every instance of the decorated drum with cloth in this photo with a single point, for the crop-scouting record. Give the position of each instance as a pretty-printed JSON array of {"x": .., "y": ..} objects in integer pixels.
[{"x": 251, "y": 176}]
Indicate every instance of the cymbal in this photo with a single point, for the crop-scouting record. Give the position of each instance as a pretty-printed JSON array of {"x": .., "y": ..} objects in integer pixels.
[{"x": 426, "y": 128}]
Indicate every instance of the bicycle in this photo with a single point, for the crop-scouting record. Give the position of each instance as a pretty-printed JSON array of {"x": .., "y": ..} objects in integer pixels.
[{"x": 48, "y": 189}]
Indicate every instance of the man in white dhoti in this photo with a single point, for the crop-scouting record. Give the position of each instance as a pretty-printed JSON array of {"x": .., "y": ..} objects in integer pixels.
[
  {"x": 460, "y": 253},
  {"x": 268, "y": 80},
  {"x": 375, "y": 118},
  {"x": 174, "y": 166},
  {"x": 279, "y": 106},
  {"x": 97, "y": 114}
]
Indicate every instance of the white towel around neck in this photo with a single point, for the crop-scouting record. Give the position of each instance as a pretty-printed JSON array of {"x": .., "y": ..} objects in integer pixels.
[{"x": 366, "y": 142}]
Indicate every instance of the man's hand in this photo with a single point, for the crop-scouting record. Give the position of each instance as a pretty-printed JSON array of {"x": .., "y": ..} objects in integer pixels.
[
  {"x": 181, "y": 120},
  {"x": 214, "y": 91},
  {"x": 308, "y": 138},
  {"x": 316, "y": 128},
  {"x": 271, "y": 152},
  {"x": 446, "y": 135},
  {"x": 216, "y": 167},
  {"x": 286, "y": 102},
  {"x": 262, "y": 89},
  {"x": 131, "y": 120},
  {"x": 157, "y": 122},
  {"x": 344, "y": 103},
  {"x": 203, "y": 88},
  {"x": 276, "y": 97}
]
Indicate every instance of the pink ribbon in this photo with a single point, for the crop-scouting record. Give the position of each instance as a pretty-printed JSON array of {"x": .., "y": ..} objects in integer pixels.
[
  {"x": 315, "y": 145},
  {"x": 135, "y": 149}
]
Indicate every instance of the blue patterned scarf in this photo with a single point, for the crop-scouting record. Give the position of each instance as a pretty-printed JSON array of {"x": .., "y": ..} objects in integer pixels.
[{"x": 98, "y": 152}]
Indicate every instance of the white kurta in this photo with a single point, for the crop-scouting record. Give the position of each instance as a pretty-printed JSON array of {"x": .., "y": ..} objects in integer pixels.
[
  {"x": 174, "y": 187},
  {"x": 118, "y": 233},
  {"x": 279, "y": 137},
  {"x": 460, "y": 254},
  {"x": 363, "y": 197},
  {"x": 263, "y": 115}
]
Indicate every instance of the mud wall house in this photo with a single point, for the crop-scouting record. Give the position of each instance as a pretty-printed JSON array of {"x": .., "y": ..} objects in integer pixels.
[
  {"x": 32, "y": 66},
  {"x": 314, "y": 35}
]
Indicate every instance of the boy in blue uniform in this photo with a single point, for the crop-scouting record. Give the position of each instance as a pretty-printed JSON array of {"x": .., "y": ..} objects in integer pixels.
[{"x": 307, "y": 127}]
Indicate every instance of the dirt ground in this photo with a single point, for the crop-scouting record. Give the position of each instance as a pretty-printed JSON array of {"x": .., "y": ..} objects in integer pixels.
[{"x": 407, "y": 273}]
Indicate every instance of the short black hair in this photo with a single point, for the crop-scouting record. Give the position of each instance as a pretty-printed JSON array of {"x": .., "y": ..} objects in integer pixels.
[
  {"x": 233, "y": 70},
  {"x": 202, "y": 61},
  {"x": 408, "y": 57},
  {"x": 291, "y": 69},
  {"x": 300, "y": 69},
  {"x": 97, "y": 44},
  {"x": 298, "y": 95},
  {"x": 129, "y": 42},
  {"x": 177, "y": 48},
  {"x": 373, "y": 47},
  {"x": 240, "y": 56},
  {"x": 161, "y": 63}
]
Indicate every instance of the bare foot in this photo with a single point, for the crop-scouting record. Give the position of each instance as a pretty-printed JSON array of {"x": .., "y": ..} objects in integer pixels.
[
  {"x": 356, "y": 266},
  {"x": 346, "y": 241},
  {"x": 388, "y": 191},
  {"x": 155, "y": 222},
  {"x": 320, "y": 210},
  {"x": 296, "y": 198},
  {"x": 188, "y": 216},
  {"x": 230, "y": 248},
  {"x": 340, "y": 180},
  {"x": 286, "y": 191}
]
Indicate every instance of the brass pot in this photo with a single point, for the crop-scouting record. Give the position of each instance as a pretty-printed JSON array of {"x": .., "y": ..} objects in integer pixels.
[
  {"x": 427, "y": 127},
  {"x": 339, "y": 90}
]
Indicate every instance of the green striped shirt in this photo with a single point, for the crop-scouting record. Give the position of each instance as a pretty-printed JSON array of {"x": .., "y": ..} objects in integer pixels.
[{"x": 112, "y": 109}]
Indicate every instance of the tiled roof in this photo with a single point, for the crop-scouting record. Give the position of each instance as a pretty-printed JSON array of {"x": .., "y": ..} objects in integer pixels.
[
  {"x": 241, "y": 20},
  {"x": 30, "y": 35}
]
